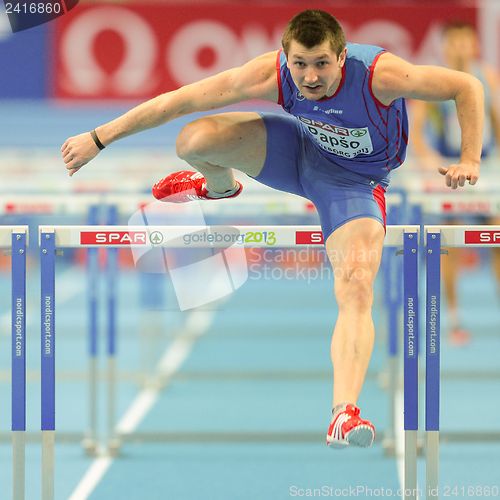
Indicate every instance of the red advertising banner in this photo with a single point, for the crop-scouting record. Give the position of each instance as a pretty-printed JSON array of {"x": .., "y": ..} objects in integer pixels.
[
  {"x": 482, "y": 237},
  {"x": 113, "y": 238},
  {"x": 136, "y": 51},
  {"x": 309, "y": 238}
]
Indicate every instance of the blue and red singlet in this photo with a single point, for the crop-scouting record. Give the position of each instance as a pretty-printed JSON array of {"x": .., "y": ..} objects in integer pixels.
[{"x": 338, "y": 151}]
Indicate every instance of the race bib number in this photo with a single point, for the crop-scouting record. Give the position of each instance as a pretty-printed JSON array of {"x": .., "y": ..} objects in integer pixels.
[{"x": 341, "y": 141}]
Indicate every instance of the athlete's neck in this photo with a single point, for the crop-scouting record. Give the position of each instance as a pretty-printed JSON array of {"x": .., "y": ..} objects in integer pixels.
[
  {"x": 460, "y": 64},
  {"x": 331, "y": 91}
]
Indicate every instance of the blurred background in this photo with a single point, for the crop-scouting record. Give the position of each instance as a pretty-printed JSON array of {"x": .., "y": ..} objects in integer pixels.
[{"x": 239, "y": 389}]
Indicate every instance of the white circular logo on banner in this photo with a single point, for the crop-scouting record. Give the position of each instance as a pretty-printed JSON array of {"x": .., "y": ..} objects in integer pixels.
[
  {"x": 83, "y": 73},
  {"x": 187, "y": 44}
]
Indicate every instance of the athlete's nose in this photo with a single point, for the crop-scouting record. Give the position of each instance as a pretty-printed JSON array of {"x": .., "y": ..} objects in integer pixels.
[{"x": 310, "y": 76}]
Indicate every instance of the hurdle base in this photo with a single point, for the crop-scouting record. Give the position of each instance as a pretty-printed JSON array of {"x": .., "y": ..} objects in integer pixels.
[
  {"x": 389, "y": 446},
  {"x": 432, "y": 465},
  {"x": 113, "y": 446},
  {"x": 90, "y": 445},
  {"x": 410, "y": 461},
  {"x": 48, "y": 461},
  {"x": 18, "y": 467}
]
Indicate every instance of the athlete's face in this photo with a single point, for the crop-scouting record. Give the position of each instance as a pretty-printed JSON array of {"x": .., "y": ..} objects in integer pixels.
[
  {"x": 460, "y": 48},
  {"x": 316, "y": 72}
]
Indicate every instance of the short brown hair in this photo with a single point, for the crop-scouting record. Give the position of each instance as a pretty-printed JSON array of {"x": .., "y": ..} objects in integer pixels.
[
  {"x": 313, "y": 27},
  {"x": 457, "y": 24}
]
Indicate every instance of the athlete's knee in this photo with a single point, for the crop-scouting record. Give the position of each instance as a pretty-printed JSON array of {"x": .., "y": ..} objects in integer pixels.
[
  {"x": 195, "y": 139},
  {"x": 354, "y": 287}
]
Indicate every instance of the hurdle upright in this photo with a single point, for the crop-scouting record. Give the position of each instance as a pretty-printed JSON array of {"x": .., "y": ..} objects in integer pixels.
[
  {"x": 436, "y": 238},
  {"x": 53, "y": 238},
  {"x": 14, "y": 240}
]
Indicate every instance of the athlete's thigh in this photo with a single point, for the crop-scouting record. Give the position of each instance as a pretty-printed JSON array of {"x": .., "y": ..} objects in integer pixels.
[
  {"x": 232, "y": 140},
  {"x": 286, "y": 154},
  {"x": 357, "y": 244},
  {"x": 266, "y": 146},
  {"x": 341, "y": 196}
]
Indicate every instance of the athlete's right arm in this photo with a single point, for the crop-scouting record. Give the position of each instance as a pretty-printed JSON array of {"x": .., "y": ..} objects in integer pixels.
[
  {"x": 493, "y": 79},
  {"x": 428, "y": 157},
  {"x": 254, "y": 80}
]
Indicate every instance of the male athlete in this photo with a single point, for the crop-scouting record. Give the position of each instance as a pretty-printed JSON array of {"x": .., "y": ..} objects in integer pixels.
[
  {"x": 346, "y": 130},
  {"x": 460, "y": 52}
]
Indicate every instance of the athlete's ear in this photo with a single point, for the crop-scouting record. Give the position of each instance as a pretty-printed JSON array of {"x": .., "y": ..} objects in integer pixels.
[{"x": 342, "y": 57}]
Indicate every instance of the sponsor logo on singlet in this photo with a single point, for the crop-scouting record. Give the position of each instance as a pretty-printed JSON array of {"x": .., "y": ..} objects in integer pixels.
[
  {"x": 330, "y": 111},
  {"x": 340, "y": 141}
]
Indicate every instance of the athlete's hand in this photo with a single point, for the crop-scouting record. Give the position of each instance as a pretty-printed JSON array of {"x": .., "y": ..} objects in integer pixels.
[
  {"x": 77, "y": 151},
  {"x": 458, "y": 173}
]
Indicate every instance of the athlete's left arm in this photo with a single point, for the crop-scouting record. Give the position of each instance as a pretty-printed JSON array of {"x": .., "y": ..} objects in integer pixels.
[
  {"x": 394, "y": 78},
  {"x": 493, "y": 81}
]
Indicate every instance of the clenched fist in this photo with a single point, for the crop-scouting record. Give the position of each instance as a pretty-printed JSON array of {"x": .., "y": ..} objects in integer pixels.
[{"x": 78, "y": 151}]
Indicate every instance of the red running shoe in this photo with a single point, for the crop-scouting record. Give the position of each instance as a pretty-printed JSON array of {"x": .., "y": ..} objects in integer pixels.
[
  {"x": 349, "y": 428},
  {"x": 184, "y": 186}
]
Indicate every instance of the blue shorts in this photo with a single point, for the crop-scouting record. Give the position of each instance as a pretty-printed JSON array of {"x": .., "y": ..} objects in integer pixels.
[{"x": 295, "y": 164}]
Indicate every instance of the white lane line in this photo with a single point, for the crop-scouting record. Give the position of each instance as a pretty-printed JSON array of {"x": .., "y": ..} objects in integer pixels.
[
  {"x": 197, "y": 324},
  {"x": 92, "y": 477},
  {"x": 141, "y": 405}
]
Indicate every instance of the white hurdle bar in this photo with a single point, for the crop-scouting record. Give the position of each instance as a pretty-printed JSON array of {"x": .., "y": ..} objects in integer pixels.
[
  {"x": 127, "y": 203},
  {"x": 435, "y": 202},
  {"x": 265, "y": 236},
  {"x": 457, "y": 203}
]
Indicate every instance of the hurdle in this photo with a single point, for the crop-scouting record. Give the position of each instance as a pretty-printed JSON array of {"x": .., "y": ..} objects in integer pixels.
[
  {"x": 53, "y": 238},
  {"x": 107, "y": 208},
  {"x": 97, "y": 208},
  {"x": 435, "y": 202},
  {"x": 91, "y": 442},
  {"x": 391, "y": 273},
  {"x": 437, "y": 238},
  {"x": 14, "y": 240}
]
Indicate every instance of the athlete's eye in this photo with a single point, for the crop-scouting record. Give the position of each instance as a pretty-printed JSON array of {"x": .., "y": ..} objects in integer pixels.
[
  {"x": 299, "y": 64},
  {"x": 322, "y": 64}
]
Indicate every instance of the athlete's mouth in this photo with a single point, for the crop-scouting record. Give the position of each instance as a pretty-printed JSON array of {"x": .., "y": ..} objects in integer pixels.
[{"x": 313, "y": 90}]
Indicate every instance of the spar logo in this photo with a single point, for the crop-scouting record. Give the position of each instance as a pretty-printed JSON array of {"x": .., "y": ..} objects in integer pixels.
[
  {"x": 330, "y": 128},
  {"x": 111, "y": 238},
  {"x": 482, "y": 237},
  {"x": 309, "y": 238},
  {"x": 358, "y": 132}
]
